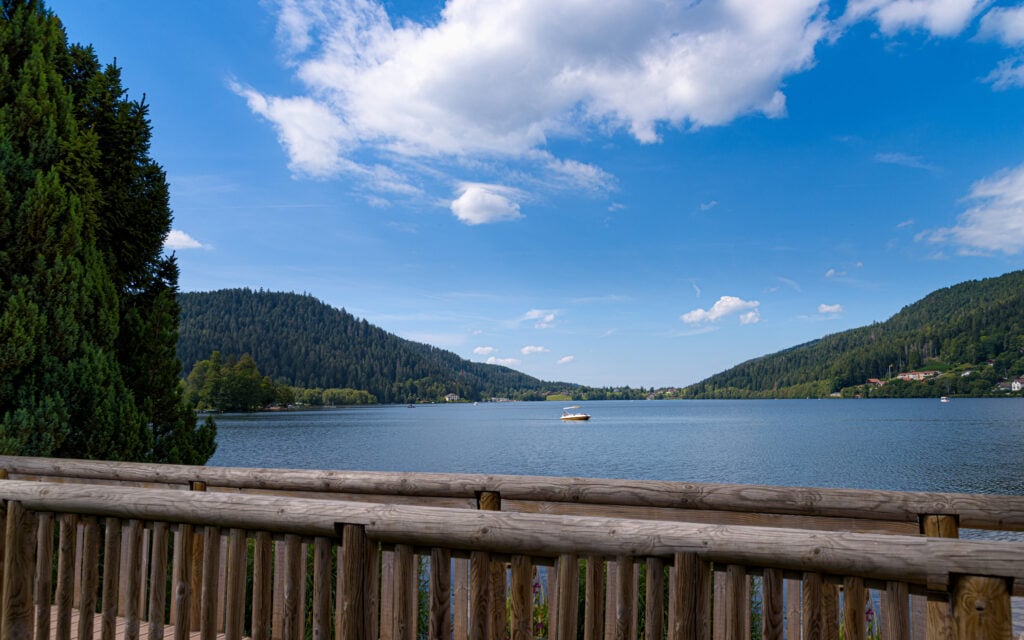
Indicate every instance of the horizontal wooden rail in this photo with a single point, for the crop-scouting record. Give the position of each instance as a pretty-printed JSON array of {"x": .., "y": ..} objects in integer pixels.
[
  {"x": 994, "y": 512},
  {"x": 927, "y": 562}
]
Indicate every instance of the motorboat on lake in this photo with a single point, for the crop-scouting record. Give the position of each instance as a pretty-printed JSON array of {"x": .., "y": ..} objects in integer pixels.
[{"x": 570, "y": 413}]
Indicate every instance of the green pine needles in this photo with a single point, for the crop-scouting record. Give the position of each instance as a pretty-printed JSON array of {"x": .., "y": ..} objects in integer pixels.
[{"x": 88, "y": 310}]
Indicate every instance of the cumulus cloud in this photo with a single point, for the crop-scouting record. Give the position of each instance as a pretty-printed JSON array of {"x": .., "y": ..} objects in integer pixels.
[
  {"x": 503, "y": 78},
  {"x": 1005, "y": 24},
  {"x": 565, "y": 359},
  {"x": 485, "y": 203},
  {"x": 177, "y": 240},
  {"x": 484, "y": 351},
  {"x": 830, "y": 309},
  {"x": 834, "y": 273},
  {"x": 544, "y": 319},
  {"x": 531, "y": 349},
  {"x": 725, "y": 306},
  {"x": 311, "y": 133},
  {"x": 995, "y": 222},
  {"x": 938, "y": 17},
  {"x": 504, "y": 362}
]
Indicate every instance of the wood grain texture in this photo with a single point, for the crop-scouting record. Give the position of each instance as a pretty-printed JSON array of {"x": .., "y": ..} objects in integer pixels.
[
  {"x": 16, "y": 620},
  {"x": 771, "y": 605},
  {"x": 654, "y": 600},
  {"x": 593, "y": 615},
  {"x": 111, "y": 577},
  {"x": 43, "y": 573},
  {"x": 211, "y": 573},
  {"x": 157, "y": 579},
  {"x": 981, "y": 608},
  {"x": 568, "y": 590},
  {"x": 974, "y": 511},
  {"x": 262, "y": 585},
  {"x": 854, "y": 609},
  {"x": 440, "y": 626},
  {"x": 65, "y": 573},
  {"x": 916, "y": 560},
  {"x": 321, "y": 588},
  {"x": 624, "y": 598}
]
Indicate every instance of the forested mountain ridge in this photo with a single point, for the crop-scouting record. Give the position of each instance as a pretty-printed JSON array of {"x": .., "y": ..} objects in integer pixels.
[
  {"x": 976, "y": 326},
  {"x": 302, "y": 341}
]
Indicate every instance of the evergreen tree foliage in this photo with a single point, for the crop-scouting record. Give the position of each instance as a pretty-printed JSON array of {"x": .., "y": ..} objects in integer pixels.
[
  {"x": 972, "y": 332},
  {"x": 88, "y": 308}
]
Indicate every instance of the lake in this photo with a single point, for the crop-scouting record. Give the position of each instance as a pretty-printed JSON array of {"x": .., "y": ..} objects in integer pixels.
[{"x": 966, "y": 445}]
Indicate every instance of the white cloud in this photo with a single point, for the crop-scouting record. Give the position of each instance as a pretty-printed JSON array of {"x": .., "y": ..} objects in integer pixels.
[
  {"x": 938, "y": 17},
  {"x": 834, "y": 273},
  {"x": 502, "y": 78},
  {"x": 708, "y": 206},
  {"x": 904, "y": 160},
  {"x": 545, "y": 319},
  {"x": 177, "y": 240},
  {"x": 1008, "y": 74},
  {"x": 996, "y": 221},
  {"x": 504, "y": 362},
  {"x": 905, "y": 224},
  {"x": 531, "y": 349},
  {"x": 726, "y": 305},
  {"x": 484, "y": 351},
  {"x": 1005, "y": 24},
  {"x": 830, "y": 308},
  {"x": 565, "y": 359},
  {"x": 313, "y": 136},
  {"x": 485, "y": 203}
]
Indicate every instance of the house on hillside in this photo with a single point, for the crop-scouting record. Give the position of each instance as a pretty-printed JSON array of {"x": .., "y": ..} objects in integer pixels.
[
  {"x": 875, "y": 382},
  {"x": 1017, "y": 385},
  {"x": 917, "y": 375},
  {"x": 452, "y": 397}
]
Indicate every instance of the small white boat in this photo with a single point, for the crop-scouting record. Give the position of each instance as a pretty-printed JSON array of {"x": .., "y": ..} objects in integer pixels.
[
  {"x": 569, "y": 413},
  {"x": 944, "y": 399}
]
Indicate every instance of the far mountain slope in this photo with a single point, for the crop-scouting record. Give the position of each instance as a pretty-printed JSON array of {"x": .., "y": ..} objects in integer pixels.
[
  {"x": 979, "y": 322},
  {"x": 302, "y": 341}
]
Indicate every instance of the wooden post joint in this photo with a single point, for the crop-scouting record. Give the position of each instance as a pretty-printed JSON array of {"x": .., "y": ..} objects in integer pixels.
[
  {"x": 939, "y": 525},
  {"x": 488, "y": 500}
]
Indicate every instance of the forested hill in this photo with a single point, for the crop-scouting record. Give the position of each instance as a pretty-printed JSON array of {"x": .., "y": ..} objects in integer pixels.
[
  {"x": 975, "y": 326},
  {"x": 299, "y": 340}
]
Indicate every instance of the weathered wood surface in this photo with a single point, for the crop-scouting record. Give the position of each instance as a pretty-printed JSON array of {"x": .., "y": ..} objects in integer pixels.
[
  {"x": 974, "y": 511},
  {"x": 121, "y": 628},
  {"x": 916, "y": 560}
]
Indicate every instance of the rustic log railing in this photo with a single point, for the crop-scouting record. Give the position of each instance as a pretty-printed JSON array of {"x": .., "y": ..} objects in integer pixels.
[
  {"x": 364, "y": 576},
  {"x": 790, "y": 507}
]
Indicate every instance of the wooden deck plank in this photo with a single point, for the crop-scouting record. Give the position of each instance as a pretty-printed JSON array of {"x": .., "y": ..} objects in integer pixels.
[{"x": 168, "y": 629}]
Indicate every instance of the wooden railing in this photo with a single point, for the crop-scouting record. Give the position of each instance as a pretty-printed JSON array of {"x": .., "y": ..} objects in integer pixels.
[{"x": 365, "y": 559}]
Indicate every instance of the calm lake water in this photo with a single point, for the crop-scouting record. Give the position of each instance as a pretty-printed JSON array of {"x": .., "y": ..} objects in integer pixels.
[{"x": 967, "y": 445}]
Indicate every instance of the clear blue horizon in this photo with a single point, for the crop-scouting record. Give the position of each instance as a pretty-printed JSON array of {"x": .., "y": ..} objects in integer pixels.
[{"x": 636, "y": 193}]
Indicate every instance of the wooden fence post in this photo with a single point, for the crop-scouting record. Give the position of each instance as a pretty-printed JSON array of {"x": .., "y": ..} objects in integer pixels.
[
  {"x": 940, "y": 617},
  {"x": 19, "y": 565},
  {"x": 351, "y": 615},
  {"x": 981, "y": 608},
  {"x": 491, "y": 501},
  {"x": 196, "y": 573}
]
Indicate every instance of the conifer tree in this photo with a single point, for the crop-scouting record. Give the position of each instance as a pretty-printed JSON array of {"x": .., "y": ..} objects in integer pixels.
[{"x": 88, "y": 311}]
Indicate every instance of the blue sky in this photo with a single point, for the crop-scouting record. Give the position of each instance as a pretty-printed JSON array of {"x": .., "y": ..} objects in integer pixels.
[{"x": 608, "y": 193}]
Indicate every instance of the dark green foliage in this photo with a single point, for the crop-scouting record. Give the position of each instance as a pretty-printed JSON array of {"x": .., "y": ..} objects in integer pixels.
[
  {"x": 88, "y": 326},
  {"x": 301, "y": 341},
  {"x": 977, "y": 325}
]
